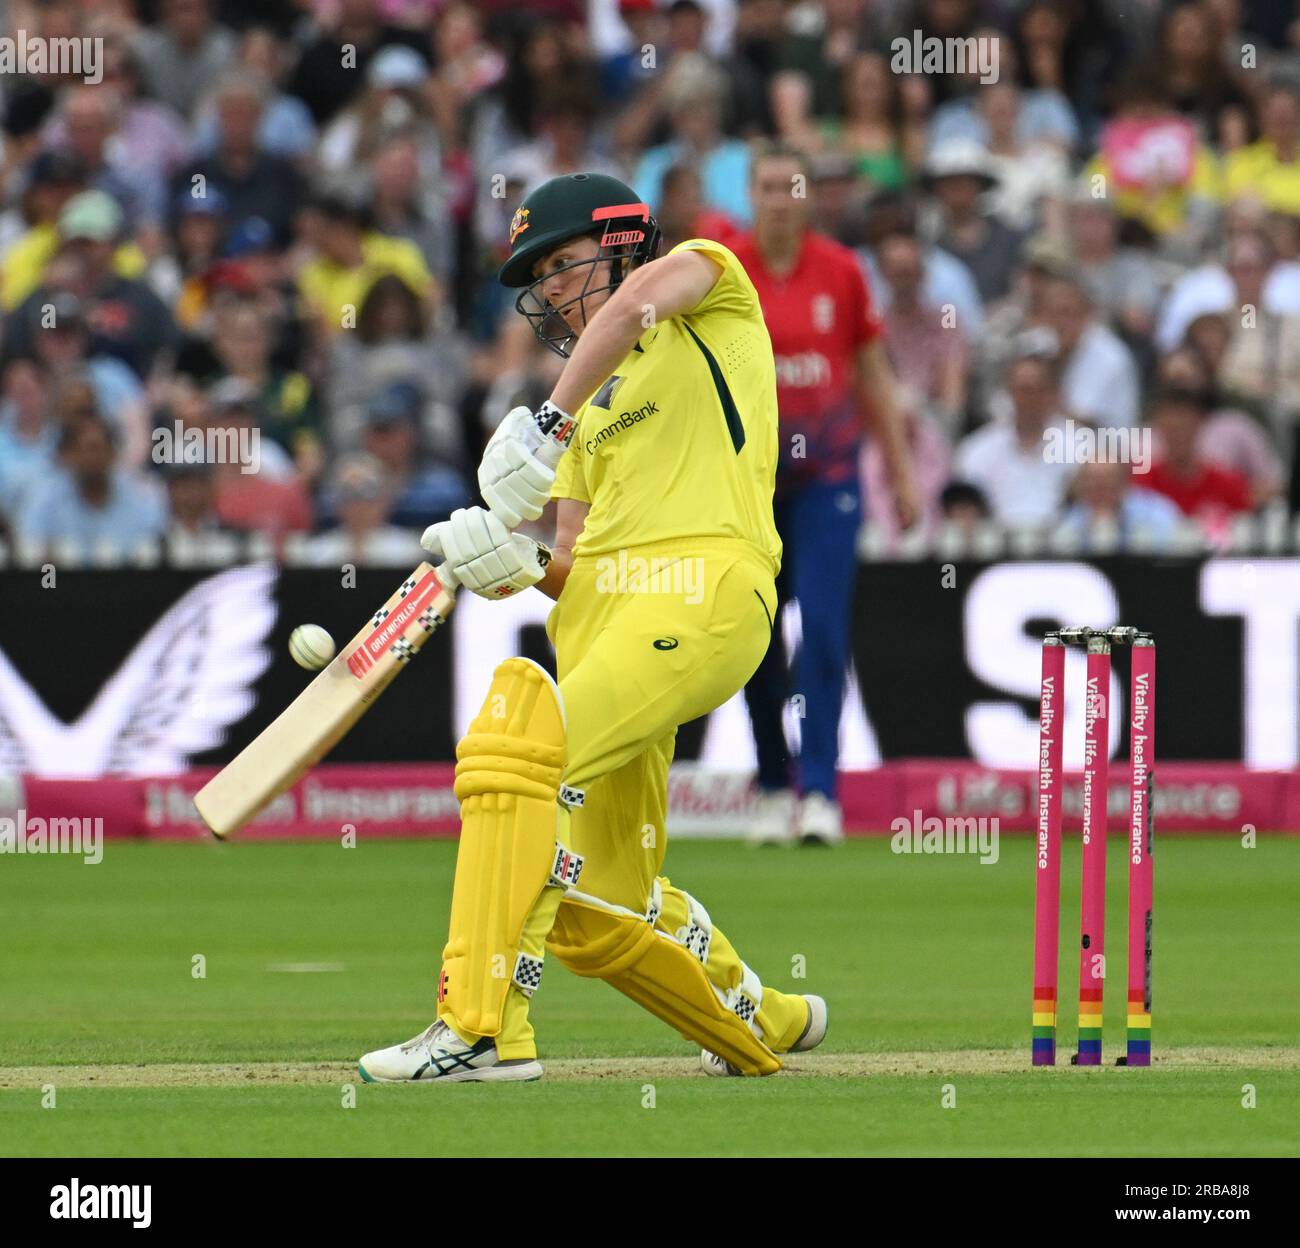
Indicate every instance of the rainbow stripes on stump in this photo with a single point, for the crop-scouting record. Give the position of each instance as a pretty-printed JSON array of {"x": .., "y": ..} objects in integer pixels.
[
  {"x": 1139, "y": 1030},
  {"x": 1089, "y": 1027},
  {"x": 1044, "y": 1026}
]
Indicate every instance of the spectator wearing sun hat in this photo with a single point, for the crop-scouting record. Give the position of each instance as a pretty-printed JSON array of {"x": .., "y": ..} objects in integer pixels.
[{"x": 957, "y": 174}]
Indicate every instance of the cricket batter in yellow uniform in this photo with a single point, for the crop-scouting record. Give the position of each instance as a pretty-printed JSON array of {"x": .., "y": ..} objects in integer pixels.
[{"x": 659, "y": 446}]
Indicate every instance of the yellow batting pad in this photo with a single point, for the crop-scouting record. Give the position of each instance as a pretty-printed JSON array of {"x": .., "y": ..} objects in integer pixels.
[
  {"x": 658, "y": 973},
  {"x": 507, "y": 776}
]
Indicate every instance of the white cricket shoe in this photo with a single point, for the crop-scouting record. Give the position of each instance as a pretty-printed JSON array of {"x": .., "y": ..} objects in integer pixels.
[
  {"x": 439, "y": 1055},
  {"x": 773, "y": 822},
  {"x": 812, "y": 1035},
  {"x": 819, "y": 821}
]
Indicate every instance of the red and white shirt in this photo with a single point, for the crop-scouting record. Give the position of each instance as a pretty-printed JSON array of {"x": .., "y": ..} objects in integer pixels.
[{"x": 818, "y": 315}]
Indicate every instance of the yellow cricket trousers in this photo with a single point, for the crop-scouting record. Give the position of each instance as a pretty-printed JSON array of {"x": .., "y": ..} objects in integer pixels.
[{"x": 645, "y": 641}]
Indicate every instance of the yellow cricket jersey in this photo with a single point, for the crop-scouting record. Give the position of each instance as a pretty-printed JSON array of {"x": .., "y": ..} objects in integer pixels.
[{"x": 680, "y": 442}]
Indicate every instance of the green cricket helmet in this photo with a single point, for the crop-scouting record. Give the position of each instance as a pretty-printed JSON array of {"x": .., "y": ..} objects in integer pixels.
[{"x": 576, "y": 205}]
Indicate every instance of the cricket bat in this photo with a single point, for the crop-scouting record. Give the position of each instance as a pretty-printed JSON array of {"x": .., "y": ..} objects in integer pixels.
[{"x": 321, "y": 715}]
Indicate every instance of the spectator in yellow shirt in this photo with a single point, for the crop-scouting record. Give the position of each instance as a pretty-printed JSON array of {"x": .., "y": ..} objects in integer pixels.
[
  {"x": 350, "y": 258},
  {"x": 1269, "y": 169}
]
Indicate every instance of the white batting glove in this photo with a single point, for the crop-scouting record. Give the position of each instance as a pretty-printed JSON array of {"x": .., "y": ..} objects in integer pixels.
[
  {"x": 483, "y": 555},
  {"x": 518, "y": 467}
]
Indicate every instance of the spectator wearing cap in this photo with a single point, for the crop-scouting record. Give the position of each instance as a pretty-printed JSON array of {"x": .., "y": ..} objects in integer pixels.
[
  {"x": 1099, "y": 377},
  {"x": 1210, "y": 494},
  {"x": 254, "y": 182},
  {"x": 28, "y": 434},
  {"x": 359, "y": 496},
  {"x": 52, "y": 179},
  {"x": 948, "y": 282},
  {"x": 323, "y": 80},
  {"x": 419, "y": 487},
  {"x": 286, "y": 128},
  {"x": 260, "y": 271},
  {"x": 90, "y": 501},
  {"x": 62, "y": 342},
  {"x": 957, "y": 175},
  {"x": 350, "y": 257},
  {"x": 126, "y": 319},
  {"x": 179, "y": 276},
  {"x": 1008, "y": 460},
  {"x": 184, "y": 54},
  {"x": 694, "y": 93},
  {"x": 1113, "y": 511},
  {"x": 1269, "y": 168}
]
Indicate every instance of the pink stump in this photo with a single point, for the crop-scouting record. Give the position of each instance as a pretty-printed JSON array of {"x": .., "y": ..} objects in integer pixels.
[
  {"x": 1142, "y": 742},
  {"x": 1092, "y": 924},
  {"x": 1047, "y": 851}
]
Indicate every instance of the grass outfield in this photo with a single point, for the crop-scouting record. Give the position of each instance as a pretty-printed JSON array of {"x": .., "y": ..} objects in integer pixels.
[{"x": 315, "y": 954}]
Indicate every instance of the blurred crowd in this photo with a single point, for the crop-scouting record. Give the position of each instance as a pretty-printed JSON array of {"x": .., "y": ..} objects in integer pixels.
[{"x": 276, "y": 224}]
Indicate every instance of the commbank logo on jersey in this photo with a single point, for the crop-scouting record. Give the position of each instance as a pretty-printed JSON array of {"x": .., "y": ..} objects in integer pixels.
[
  {"x": 605, "y": 395},
  {"x": 624, "y": 420}
]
